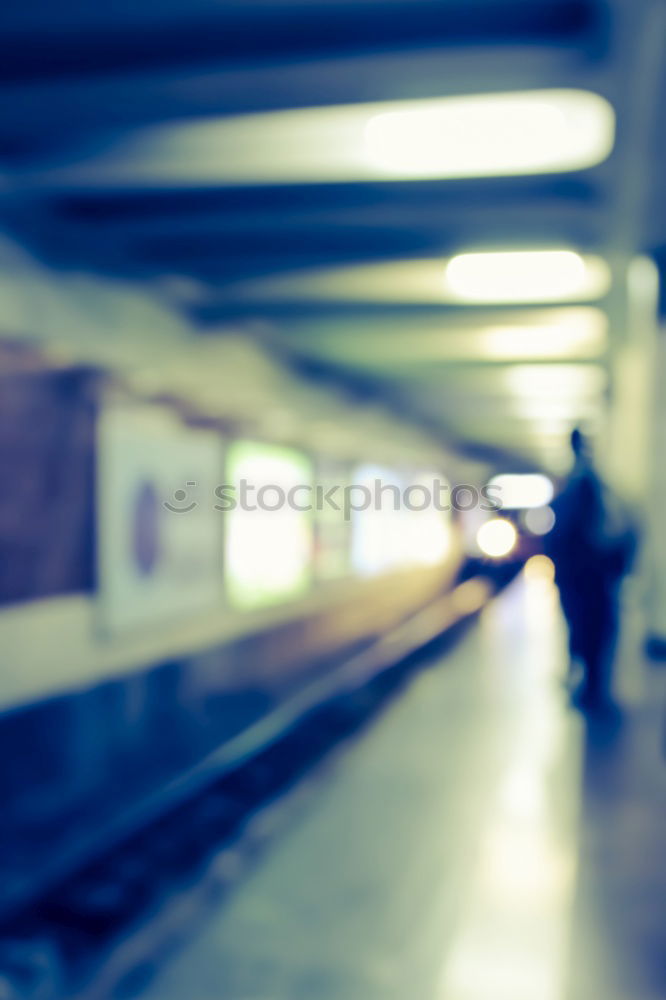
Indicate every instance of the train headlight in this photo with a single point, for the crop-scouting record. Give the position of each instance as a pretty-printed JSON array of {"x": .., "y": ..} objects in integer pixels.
[{"x": 497, "y": 537}]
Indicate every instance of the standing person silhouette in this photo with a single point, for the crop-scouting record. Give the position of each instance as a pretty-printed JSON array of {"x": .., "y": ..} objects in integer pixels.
[{"x": 591, "y": 545}]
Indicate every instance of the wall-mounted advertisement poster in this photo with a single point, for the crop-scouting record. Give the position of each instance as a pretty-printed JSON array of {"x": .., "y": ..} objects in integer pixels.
[
  {"x": 159, "y": 538},
  {"x": 269, "y": 530}
]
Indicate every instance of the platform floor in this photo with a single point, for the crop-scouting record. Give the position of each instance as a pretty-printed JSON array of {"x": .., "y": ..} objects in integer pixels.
[{"x": 479, "y": 841}]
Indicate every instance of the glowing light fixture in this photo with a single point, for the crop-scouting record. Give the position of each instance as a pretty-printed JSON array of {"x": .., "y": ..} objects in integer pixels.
[
  {"x": 480, "y": 135},
  {"x": 571, "y": 333},
  {"x": 540, "y": 568},
  {"x": 485, "y": 135},
  {"x": 555, "y": 381},
  {"x": 480, "y": 278},
  {"x": 549, "y": 408},
  {"x": 520, "y": 492},
  {"x": 526, "y": 276},
  {"x": 268, "y": 544},
  {"x": 552, "y": 334},
  {"x": 497, "y": 537}
]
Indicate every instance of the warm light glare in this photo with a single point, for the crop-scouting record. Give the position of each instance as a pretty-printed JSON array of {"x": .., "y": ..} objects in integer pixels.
[
  {"x": 492, "y": 134},
  {"x": 526, "y": 276},
  {"x": 497, "y": 538},
  {"x": 519, "y": 492},
  {"x": 540, "y": 568}
]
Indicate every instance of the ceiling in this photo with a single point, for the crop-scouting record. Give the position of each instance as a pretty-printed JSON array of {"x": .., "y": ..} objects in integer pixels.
[{"x": 120, "y": 123}]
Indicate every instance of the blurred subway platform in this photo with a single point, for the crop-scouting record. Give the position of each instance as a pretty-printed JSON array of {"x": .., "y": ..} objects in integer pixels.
[
  {"x": 321, "y": 321},
  {"x": 479, "y": 840}
]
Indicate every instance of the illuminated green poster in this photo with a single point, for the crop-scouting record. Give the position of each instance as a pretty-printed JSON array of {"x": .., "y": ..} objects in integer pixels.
[{"x": 268, "y": 531}]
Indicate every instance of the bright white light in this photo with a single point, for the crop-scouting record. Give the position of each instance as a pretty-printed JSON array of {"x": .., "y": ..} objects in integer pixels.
[
  {"x": 576, "y": 332},
  {"x": 535, "y": 408},
  {"x": 526, "y": 276},
  {"x": 268, "y": 549},
  {"x": 428, "y": 532},
  {"x": 519, "y": 492},
  {"x": 555, "y": 381},
  {"x": 485, "y": 135},
  {"x": 497, "y": 537},
  {"x": 583, "y": 334},
  {"x": 378, "y": 538}
]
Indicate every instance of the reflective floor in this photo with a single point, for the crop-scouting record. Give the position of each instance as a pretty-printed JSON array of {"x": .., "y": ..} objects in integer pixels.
[{"x": 478, "y": 842}]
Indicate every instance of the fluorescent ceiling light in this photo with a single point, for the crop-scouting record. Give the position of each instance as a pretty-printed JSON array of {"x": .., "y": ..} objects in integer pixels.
[
  {"x": 526, "y": 276},
  {"x": 567, "y": 334},
  {"x": 560, "y": 381},
  {"x": 487, "y": 135},
  {"x": 549, "y": 408},
  {"x": 483, "y": 135},
  {"x": 520, "y": 492},
  {"x": 483, "y": 278},
  {"x": 547, "y": 342},
  {"x": 519, "y": 432},
  {"x": 576, "y": 333}
]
